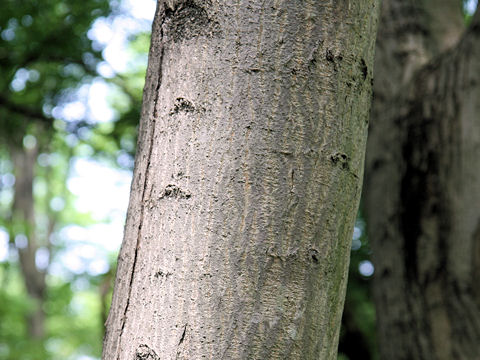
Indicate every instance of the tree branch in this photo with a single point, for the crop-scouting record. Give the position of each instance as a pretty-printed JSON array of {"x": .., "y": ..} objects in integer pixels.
[{"x": 23, "y": 110}]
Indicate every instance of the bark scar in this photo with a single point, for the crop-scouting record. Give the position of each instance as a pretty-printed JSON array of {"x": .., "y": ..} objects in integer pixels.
[
  {"x": 314, "y": 255},
  {"x": 163, "y": 274},
  {"x": 175, "y": 192},
  {"x": 144, "y": 352},
  {"x": 182, "y": 105},
  {"x": 340, "y": 159}
]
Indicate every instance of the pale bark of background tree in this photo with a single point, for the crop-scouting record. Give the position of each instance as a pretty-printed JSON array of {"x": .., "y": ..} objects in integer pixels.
[
  {"x": 422, "y": 189},
  {"x": 23, "y": 223},
  {"x": 247, "y": 180}
]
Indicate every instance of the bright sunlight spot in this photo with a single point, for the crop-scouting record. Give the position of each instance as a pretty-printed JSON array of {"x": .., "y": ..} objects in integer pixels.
[
  {"x": 470, "y": 6},
  {"x": 366, "y": 268}
]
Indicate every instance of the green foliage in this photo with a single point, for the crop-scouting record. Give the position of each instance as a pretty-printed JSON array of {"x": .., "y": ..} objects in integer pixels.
[
  {"x": 44, "y": 52},
  {"x": 357, "y": 337},
  {"x": 15, "y": 306},
  {"x": 73, "y": 312},
  {"x": 45, "y": 57},
  {"x": 127, "y": 95},
  {"x": 468, "y": 5},
  {"x": 74, "y": 319}
]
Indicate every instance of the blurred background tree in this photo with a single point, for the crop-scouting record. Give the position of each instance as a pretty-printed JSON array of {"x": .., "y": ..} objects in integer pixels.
[
  {"x": 67, "y": 129},
  {"x": 358, "y": 338}
]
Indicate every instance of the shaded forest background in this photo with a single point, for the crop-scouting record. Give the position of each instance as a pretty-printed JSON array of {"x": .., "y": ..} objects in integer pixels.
[{"x": 66, "y": 109}]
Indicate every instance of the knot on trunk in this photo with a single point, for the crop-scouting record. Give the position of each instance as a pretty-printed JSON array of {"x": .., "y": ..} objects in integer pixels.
[
  {"x": 173, "y": 191},
  {"x": 145, "y": 353}
]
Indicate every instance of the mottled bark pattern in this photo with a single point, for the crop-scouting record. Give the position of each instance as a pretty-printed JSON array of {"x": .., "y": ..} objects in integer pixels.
[
  {"x": 422, "y": 189},
  {"x": 247, "y": 181}
]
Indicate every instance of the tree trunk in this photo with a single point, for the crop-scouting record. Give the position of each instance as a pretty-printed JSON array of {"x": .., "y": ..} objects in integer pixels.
[
  {"x": 247, "y": 181},
  {"x": 23, "y": 224},
  {"x": 422, "y": 190}
]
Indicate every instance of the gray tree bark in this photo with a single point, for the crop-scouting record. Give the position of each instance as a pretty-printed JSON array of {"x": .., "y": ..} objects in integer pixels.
[
  {"x": 422, "y": 189},
  {"x": 247, "y": 181}
]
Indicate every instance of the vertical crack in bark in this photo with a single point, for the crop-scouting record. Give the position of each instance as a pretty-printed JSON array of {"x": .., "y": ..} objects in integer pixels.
[
  {"x": 182, "y": 338},
  {"x": 183, "y": 334}
]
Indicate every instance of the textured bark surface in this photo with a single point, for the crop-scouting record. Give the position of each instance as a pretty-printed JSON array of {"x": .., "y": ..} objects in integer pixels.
[
  {"x": 422, "y": 188},
  {"x": 247, "y": 181}
]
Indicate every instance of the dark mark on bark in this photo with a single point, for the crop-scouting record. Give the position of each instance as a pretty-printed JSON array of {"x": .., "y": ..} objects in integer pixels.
[
  {"x": 252, "y": 70},
  {"x": 335, "y": 60},
  {"x": 292, "y": 180},
  {"x": 423, "y": 196},
  {"x": 313, "y": 255},
  {"x": 183, "y": 334},
  {"x": 414, "y": 194},
  {"x": 182, "y": 105},
  {"x": 188, "y": 19},
  {"x": 256, "y": 69},
  {"x": 354, "y": 175},
  {"x": 179, "y": 175},
  {"x": 340, "y": 159},
  {"x": 329, "y": 55},
  {"x": 162, "y": 274},
  {"x": 145, "y": 353},
  {"x": 174, "y": 192},
  {"x": 364, "y": 69}
]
